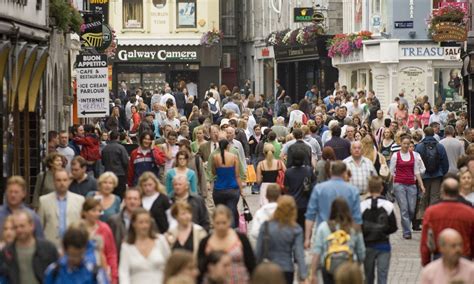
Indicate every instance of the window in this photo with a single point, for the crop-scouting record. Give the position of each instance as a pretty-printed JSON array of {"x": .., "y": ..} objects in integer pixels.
[
  {"x": 358, "y": 5},
  {"x": 228, "y": 18},
  {"x": 378, "y": 16},
  {"x": 132, "y": 14},
  {"x": 448, "y": 88},
  {"x": 186, "y": 13}
]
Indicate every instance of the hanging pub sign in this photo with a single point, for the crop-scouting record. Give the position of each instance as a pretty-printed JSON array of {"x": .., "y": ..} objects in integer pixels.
[
  {"x": 91, "y": 30},
  {"x": 448, "y": 31},
  {"x": 302, "y": 15},
  {"x": 100, "y": 7}
]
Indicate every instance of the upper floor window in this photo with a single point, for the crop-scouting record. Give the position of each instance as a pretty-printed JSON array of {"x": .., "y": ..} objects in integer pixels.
[
  {"x": 358, "y": 6},
  {"x": 132, "y": 14},
  {"x": 378, "y": 16},
  {"x": 186, "y": 13},
  {"x": 228, "y": 17}
]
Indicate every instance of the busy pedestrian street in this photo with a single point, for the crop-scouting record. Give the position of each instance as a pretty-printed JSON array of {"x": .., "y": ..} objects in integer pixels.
[{"x": 237, "y": 142}]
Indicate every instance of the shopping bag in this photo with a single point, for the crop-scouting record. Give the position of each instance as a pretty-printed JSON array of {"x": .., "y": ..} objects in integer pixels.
[
  {"x": 251, "y": 175},
  {"x": 242, "y": 224}
]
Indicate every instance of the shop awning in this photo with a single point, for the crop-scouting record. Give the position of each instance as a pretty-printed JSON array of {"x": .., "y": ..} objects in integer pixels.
[
  {"x": 5, "y": 47},
  {"x": 24, "y": 83},
  {"x": 158, "y": 41},
  {"x": 36, "y": 77},
  {"x": 19, "y": 55}
]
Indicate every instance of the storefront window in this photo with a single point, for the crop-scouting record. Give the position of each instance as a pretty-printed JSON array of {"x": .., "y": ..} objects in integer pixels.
[
  {"x": 186, "y": 13},
  {"x": 154, "y": 81},
  {"x": 449, "y": 88},
  {"x": 133, "y": 80},
  {"x": 133, "y": 14}
]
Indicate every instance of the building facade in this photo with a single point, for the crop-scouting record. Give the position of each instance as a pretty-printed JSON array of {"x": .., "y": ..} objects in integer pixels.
[
  {"x": 159, "y": 43},
  {"x": 297, "y": 67},
  {"x": 24, "y": 35},
  {"x": 400, "y": 57}
]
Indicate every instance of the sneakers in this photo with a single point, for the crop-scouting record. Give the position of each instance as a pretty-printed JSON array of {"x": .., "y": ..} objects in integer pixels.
[{"x": 407, "y": 237}]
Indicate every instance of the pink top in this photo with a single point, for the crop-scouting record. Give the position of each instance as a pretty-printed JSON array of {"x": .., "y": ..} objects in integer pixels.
[
  {"x": 109, "y": 249},
  {"x": 425, "y": 118},
  {"x": 401, "y": 114},
  {"x": 411, "y": 119},
  {"x": 435, "y": 272}
]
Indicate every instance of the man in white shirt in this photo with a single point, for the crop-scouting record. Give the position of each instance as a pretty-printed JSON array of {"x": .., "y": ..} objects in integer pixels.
[
  {"x": 167, "y": 96},
  {"x": 454, "y": 148},
  {"x": 361, "y": 168},
  {"x": 377, "y": 122},
  {"x": 64, "y": 149},
  {"x": 192, "y": 89},
  {"x": 392, "y": 108}
]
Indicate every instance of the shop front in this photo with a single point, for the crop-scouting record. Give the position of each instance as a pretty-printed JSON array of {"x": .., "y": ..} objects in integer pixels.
[
  {"x": 151, "y": 67},
  {"x": 300, "y": 67},
  {"x": 417, "y": 69},
  {"x": 265, "y": 71}
]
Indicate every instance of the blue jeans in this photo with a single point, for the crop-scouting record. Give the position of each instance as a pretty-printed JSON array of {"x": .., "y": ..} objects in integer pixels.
[
  {"x": 229, "y": 198},
  {"x": 381, "y": 259},
  {"x": 406, "y": 199}
]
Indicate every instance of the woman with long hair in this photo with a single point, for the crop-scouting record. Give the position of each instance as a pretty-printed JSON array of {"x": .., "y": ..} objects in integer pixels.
[
  {"x": 181, "y": 263},
  {"x": 235, "y": 244},
  {"x": 181, "y": 168},
  {"x": 340, "y": 219},
  {"x": 110, "y": 202},
  {"x": 154, "y": 200},
  {"x": 425, "y": 116},
  {"x": 144, "y": 254},
  {"x": 370, "y": 151},
  {"x": 386, "y": 143},
  {"x": 146, "y": 158},
  {"x": 186, "y": 235},
  {"x": 323, "y": 165},
  {"x": 170, "y": 148},
  {"x": 101, "y": 234},
  {"x": 416, "y": 115},
  {"x": 227, "y": 185},
  {"x": 280, "y": 240},
  {"x": 113, "y": 122},
  {"x": 267, "y": 171},
  {"x": 205, "y": 111},
  {"x": 401, "y": 114},
  {"x": 45, "y": 179},
  {"x": 135, "y": 120}
]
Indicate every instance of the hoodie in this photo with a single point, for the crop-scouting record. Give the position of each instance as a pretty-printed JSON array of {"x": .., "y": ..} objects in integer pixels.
[{"x": 261, "y": 216}]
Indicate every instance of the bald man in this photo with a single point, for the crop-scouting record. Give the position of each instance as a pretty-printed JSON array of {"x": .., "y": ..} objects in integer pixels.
[
  {"x": 448, "y": 213},
  {"x": 451, "y": 267},
  {"x": 361, "y": 168}
]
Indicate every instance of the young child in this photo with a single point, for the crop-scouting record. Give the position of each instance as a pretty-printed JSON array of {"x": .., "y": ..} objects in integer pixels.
[{"x": 378, "y": 222}]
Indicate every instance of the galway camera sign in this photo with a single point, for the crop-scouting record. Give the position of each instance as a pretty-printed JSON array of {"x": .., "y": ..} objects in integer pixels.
[
  {"x": 157, "y": 55},
  {"x": 92, "y": 86}
]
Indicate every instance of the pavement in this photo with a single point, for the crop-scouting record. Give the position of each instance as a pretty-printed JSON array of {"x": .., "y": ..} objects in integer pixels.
[{"x": 405, "y": 262}]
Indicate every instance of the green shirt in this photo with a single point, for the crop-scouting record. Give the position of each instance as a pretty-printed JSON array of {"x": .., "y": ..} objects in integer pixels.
[{"x": 25, "y": 263}]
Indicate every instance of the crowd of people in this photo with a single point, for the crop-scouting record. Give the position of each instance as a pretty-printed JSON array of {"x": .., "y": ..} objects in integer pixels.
[{"x": 152, "y": 193}]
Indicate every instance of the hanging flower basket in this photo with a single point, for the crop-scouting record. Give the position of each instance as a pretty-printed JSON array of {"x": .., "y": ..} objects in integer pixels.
[
  {"x": 212, "y": 38},
  {"x": 448, "y": 23},
  {"x": 308, "y": 34},
  {"x": 301, "y": 36},
  {"x": 345, "y": 44},
  {"x": 276, "y": 38}
]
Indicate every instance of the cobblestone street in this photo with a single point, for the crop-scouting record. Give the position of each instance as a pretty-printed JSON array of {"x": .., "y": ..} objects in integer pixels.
[{"x": 405, "y": 264}]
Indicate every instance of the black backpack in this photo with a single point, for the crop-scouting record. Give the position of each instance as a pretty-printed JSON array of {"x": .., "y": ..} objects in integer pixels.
[
  {"x": 375, "y": 223},
  {"x": 430, "y": 156}
]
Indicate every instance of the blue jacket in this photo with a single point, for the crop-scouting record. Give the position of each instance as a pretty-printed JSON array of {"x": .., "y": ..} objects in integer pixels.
[
  {"x": 443, "y": 165},
  {"x": 285, "y": 244},
  {"x": 323, "y": 194},
  {"x": 86, "y": 273}
]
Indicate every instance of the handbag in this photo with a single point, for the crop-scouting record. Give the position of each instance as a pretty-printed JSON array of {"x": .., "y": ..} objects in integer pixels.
[
  {"x": 384, "y": 171},
  {"x": 251, "y": 175},
  {"x": 281, "y": 177},
  {"x": 242, "y": 223},
  {"x": 246, "y": 212}
]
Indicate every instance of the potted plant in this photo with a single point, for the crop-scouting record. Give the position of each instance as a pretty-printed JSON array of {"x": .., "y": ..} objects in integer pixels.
[
  {"x": 448, "y": 22},
  {"x": 212, "y": 38},
  {"x": 345, "y": 44},
  {"x": 65, "y": 16}
]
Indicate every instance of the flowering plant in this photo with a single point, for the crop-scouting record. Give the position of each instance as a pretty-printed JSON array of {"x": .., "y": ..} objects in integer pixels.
[
  {"x": 452, "y": 13},
  {"x": 211, "y": 38},
  {"x": 275, "y": 38},
  {"x": 345, "y": 44},
  {"x": 309, "y": 34}
]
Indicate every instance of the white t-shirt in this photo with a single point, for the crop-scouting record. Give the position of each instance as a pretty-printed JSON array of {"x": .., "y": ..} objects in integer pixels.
[{"x": 147, "y": 201}]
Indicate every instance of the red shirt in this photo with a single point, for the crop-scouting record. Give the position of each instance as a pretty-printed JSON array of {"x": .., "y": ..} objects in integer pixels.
[
  {"x": 405, "y": 173},
  {"x": 109, "y": 249},
  {"x": 447, "y": 214}
]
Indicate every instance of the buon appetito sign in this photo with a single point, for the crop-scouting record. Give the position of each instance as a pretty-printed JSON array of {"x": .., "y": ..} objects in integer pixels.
[{"x": 92, "y": 86}]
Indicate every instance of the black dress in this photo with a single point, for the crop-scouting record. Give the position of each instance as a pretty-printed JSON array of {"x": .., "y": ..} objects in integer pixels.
[{"x": 188, "y": 245}]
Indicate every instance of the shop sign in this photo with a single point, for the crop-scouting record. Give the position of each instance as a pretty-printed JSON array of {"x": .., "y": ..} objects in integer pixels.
[
  {"x": 100, "y": 7},
  {"x": 452, "y": 53},
  {"x": 265, "y": 52},
  {"x": 92, "y": 86},
  {"x": 403, "y": 24},
  {"x": 91, "y": 30},
  {"x": 448, "y": 31},
  {"x": 163, "y": 55},
  {"x": 304, "y": 14},
  {"x": 286, "y": 53}
]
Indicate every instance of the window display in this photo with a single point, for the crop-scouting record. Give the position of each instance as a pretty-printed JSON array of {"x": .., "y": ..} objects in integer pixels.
[{"x": 449, "y": 88}]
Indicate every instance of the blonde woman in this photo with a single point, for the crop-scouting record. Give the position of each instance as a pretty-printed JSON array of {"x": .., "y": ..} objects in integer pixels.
[
  {"x": 198, "y": 139},
  {"x": 285, "y": 238},
  {"x": 267, "y": 171},
  {"x": 465, "y": 185},
  {"x": 110, "y": 202},
  {"x": 154, "y": 199},
  {"x": 370, "y": 152}
]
